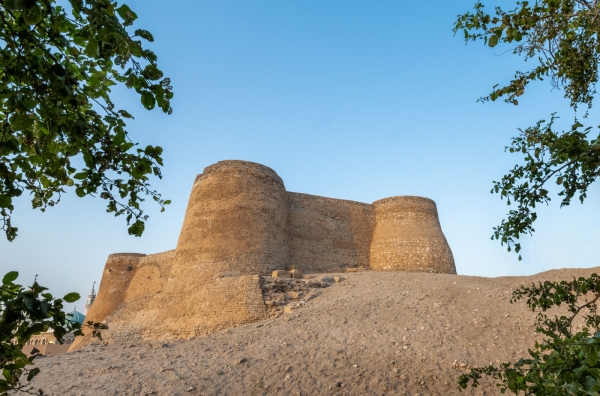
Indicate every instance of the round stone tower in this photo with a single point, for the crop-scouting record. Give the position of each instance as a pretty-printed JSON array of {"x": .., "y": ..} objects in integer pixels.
[
  {"x": 235, "y": 223},
  {"x": 118, "y": 272},
  {"x": 408, "y": 237}
]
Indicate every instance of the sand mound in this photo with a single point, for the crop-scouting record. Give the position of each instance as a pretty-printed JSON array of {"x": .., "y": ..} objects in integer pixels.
[{"x": 372, "y": 333}]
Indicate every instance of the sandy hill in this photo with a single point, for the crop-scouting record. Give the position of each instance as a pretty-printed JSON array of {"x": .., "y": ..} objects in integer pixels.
[{"x": 371, "y": 333}]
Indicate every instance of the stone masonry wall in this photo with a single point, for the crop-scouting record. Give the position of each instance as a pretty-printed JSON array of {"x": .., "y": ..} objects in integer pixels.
[
  {"x": 235, "y": 223},
  {"x": 151, "y": 275},
  {"x": 119, "y": 270},
  {"x": 327, "y": 234},
  {"x": 212, "y": 306}
]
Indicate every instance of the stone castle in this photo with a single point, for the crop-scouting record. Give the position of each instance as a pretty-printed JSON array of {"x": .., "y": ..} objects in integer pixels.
[{"x": 240, "y": 225}]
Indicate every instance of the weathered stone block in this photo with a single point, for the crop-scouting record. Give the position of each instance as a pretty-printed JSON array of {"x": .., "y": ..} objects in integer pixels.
[{"x": 281, "y": 274}]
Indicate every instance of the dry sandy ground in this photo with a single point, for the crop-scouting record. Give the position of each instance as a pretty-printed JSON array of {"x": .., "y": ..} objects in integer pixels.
[{"x": 375, "y": 333}]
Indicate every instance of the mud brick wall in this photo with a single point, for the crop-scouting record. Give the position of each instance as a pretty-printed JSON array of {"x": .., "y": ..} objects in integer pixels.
[{"x": 327, "y": 233}]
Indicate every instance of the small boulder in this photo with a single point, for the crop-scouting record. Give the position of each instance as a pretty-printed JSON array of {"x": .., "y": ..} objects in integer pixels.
[{"x": 296, "y": 274}]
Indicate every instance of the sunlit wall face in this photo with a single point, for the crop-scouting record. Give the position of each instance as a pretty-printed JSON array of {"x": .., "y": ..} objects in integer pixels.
[{"x": 354, "y": 100}]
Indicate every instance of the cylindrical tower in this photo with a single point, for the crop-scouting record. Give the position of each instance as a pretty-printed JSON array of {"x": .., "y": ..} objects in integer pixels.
[
  {"x": 408, "y": 237},
  {"x": 235, "y": 223},
  {"x": 118, "y": 272}
]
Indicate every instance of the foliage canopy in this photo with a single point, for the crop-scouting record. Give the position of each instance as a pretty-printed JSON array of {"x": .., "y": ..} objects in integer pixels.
[
  {"x": 563, "y": 36},
  {"x": 57, "y": 67},
  {"x": 23, "y": 313}
]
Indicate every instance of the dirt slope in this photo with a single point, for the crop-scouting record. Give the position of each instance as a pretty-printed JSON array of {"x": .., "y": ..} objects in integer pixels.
[{"x": 375, "y": 333}]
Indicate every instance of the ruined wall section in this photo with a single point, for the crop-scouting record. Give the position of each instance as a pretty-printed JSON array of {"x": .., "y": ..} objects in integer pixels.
[
  {"x": 128, "y": 282},
  {"x": 326, "y": 234},
  {"x": 119, "y": 270},
  {"x": 408, "y": 237},
  {"x": 151, "y": 275}
]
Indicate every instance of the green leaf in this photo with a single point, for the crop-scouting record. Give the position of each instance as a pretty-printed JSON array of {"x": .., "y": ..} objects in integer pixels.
[
  {"x": 80, "y": 176},
  {"x": 127, "y": 14},
  {"x": 71, "y": 297},
  {"x": 151, "y": 72},
  {"x": 32, "y": 15},
  {"x": 21, "y": 122},
  {"x": 77, "y": 5},
  {"x": 148, "y": 100},
  {"x": 137, "y": 228},
  {"x": 10, "y": 277},
  {"x": 493, "y": 40},
  {"x": 517, "y": 35},
  {"x": 125, "y": 114},
  {"x": 91, "y": 49},
  {"x": 144, "y": 34},
  {"x": 592, "y": 357}
]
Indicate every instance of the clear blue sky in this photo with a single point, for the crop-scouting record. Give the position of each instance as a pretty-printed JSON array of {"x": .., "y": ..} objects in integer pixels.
[{"x": 348, "y": 99}]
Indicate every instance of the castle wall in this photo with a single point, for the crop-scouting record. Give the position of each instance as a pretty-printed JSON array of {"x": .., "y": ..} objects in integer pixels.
[
  {"x": 326, "y": 234},
  {"x": 235, "y": 229},
  {"x": 119, "y": 270},
  {"x": 241, "y": 224},
  {"x": 212, "y": 306},
  {"x": 408, "y": 237},
  {"x": 235, "y": 223},
  {"x": 151, "y": 275},
  {"x": 48, "y": 349}
]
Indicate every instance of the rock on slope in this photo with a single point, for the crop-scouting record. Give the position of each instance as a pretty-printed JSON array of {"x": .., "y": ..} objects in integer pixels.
[{"x": 375, "y": 333}]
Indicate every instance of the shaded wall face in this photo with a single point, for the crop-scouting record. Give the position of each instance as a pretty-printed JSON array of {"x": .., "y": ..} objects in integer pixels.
[
  {"x": 326, "y": 233},
  {"x": 151, "y": 275},
  {"x": 235, "y": 223},
  {"x": 118, "y": 272},
  {"x": 127, "y": 277},
  {"x": 408, "y": 237}
]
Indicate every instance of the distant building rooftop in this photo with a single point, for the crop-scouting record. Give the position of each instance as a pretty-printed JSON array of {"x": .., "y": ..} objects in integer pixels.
[{"x": 75, "y": 317}]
